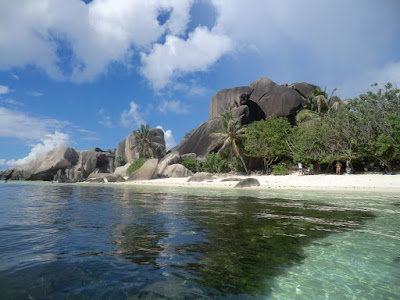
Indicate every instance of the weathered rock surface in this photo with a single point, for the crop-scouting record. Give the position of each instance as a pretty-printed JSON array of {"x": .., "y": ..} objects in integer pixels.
[
  {"x": 170, "y": 159},
  {"x": 199, "y": 140},
  {"x": 275, "y": 100},
  {"x": 201, "y": 176},
  {"x": 176, "y": 171},
  {"x": 121, "y": 171},
  {"x": 227, "y": 100},
  {"x": 303, "y": 88},
  {"x": 125, "y": 150},
  {"x": 63, "y": 164},
  {"x": 146, "y": 172},
  {"x": 248, "y": 182},
  {"x": 46, "y": 166}
]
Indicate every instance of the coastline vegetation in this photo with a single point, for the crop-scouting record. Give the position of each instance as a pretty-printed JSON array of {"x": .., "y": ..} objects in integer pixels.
[{"x": 364, "y": 131}]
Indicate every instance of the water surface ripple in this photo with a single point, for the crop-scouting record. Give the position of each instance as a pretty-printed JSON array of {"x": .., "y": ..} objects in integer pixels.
[{"x": 102, "y": 242}]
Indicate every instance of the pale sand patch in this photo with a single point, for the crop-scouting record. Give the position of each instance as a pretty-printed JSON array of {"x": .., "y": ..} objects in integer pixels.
[{"x": 364, "y": 182}]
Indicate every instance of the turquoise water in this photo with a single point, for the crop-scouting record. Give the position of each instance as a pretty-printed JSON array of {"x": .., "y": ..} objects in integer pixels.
[{"x": 121, "y": 242}]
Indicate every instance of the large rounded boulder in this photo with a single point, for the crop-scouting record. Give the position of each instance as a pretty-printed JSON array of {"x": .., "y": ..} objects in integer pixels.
[
  {"x": 227, "y": 100},
  {"x": 275, "y": 100}
]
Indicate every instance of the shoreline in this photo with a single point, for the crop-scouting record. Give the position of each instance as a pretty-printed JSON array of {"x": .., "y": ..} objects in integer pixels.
[{"x": 359, "y": 182}]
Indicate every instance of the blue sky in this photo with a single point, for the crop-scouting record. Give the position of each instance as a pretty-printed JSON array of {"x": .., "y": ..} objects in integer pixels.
[{"x": 87, "y": 73}]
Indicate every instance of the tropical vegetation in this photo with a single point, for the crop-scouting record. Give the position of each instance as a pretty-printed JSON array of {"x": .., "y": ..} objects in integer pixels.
[{"x": 363, "y": 131}]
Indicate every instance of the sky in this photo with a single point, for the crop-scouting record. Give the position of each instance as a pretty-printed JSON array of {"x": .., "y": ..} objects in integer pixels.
[{"x": 88, "y": 73}]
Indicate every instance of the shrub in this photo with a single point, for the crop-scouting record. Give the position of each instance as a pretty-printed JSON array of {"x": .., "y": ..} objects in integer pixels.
[
  {"x": 135, "y": 166},
  {"x": 120, "y": 161},
  {"x": 191, "y": 164},
  {"x": 279, "y": 170},
  {"x": 214, "y": 163}
]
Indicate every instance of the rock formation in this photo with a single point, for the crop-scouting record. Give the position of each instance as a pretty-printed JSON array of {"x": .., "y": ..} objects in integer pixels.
[
  {"x": 264, "y": 97},
  {"x": 124, "y": 148},
  {"x": 63, "y": 164},
  {"x": 146, "y": 172},
  {"x": 177, "y": 170}
]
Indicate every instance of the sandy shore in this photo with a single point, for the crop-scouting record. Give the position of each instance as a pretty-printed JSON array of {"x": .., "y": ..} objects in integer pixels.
[{"x": 365, "y": 182}]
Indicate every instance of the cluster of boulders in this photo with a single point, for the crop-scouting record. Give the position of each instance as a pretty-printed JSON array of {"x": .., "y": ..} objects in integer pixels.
[{"x": 261, "y": 99}]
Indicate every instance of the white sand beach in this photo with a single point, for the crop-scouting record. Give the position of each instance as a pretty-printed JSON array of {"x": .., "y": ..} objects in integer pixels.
[{"x": 359, "y": 182}]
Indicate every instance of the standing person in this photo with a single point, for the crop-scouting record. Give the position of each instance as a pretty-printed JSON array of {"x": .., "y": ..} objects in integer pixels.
[
  {"x": 318, "y": 167},
  {"x": 300, "y": 169},
  {"x": 338, "y": 167}
]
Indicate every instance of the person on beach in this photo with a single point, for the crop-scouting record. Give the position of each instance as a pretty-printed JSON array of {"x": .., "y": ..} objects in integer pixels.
[
  {"x": 301, "y": 172},
  {"x": 348, "y": 170},
  {"x": 338, "y": 167}
]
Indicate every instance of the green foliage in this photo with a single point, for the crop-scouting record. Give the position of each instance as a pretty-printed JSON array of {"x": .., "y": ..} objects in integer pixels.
[
  {"x": 120, "y": 161},
  {"x": 268, "y": 139},
  {"x": 136, "y": 165},
  {"x": 279, "y": 170},
  {"x": 146, "y": 147},
  {"x": 214, "y": 163},
  {"x": 191, "y": 164},
  {"x": 232, "y": 133},
  {"x": 367, "y": 129}
]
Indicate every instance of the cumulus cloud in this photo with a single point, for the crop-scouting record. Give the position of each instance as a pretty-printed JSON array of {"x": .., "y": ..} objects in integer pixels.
[
  {"x": 94, "y": 35},
  {"x": 168, "y": 137},
  {"x": 105, "y": 119},
  {"x": 48, "y": 143},
  {"x": 132, "y": 117},
  {"x": 172, "y": 106},
  {"x": 178, "y": 56},
  {"x": 4, "y": 89}
]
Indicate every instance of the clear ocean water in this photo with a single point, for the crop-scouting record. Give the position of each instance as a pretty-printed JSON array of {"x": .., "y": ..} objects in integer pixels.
[{"x": 119, "y": 242}]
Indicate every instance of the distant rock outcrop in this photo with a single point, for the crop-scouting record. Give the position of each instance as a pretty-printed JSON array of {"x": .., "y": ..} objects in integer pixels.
[{"x": 63, "y": 164}]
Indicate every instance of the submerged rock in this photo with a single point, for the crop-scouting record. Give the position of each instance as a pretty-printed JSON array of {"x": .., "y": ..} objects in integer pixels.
[{"x": 248, "y": 182}]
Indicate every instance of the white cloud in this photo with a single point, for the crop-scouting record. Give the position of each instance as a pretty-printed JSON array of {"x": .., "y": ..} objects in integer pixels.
[
  {"x": 4, "y": 90},
  {"x": 172, "y": 106},
  {"x": 178, "y": 56},
  {"x": 132, "y": 117},
  {"x": 390, "y": 73},
  {"x": 105, "y": 119},
  {"x": 20, "y": 125},
  {"x": 97, "y": 34},
  {"x": 34, "y": 94},
  {"x": 168, "y": 137},
  {"x": 48, "y": 143},
  {"x": 15, "y": 76},
  {"x": 12, "y": 102}
]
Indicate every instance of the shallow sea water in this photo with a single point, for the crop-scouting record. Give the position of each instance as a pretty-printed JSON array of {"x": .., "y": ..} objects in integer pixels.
[{"x": 124, "y": 242}]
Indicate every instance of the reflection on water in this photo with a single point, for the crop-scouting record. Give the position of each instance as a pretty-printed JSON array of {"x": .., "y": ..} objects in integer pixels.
[{"x": 87, "y": 242}]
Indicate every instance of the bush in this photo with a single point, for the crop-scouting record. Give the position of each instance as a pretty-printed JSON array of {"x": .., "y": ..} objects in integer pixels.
[
  {"x": 191, "y": 164},
  {"x": 215, "y": 163},
  {"x": 136, "y": 165},
  {"x": 120, "y": 161},
  {"x": 279, "y": 170}
]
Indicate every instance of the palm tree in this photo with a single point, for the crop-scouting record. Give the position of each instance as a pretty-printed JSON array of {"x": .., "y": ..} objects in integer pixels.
[
  {"x": 143, "y": 141},
  {"x": 231, "y": 131}
]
